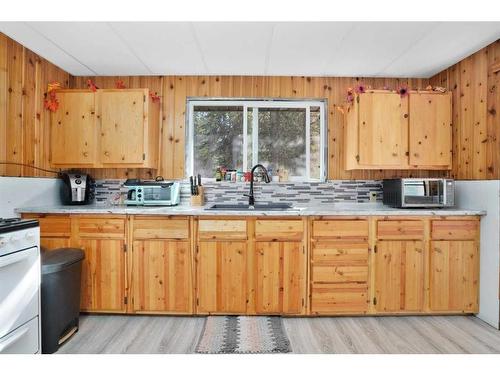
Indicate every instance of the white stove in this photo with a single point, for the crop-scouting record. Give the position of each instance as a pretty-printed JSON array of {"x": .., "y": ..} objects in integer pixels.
[{"x": 19, "y": 286}]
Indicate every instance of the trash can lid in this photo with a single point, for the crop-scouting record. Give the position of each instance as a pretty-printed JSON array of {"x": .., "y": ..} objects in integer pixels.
[{"x": 57, "y": 260}]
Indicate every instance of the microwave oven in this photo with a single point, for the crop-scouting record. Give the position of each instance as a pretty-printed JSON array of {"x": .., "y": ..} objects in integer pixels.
[
  {"x": 152, "y": 193},
  {"x": 419, "y": 192}
]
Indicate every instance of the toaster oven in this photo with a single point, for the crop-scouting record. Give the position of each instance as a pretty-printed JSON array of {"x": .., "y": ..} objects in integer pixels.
[
  {"x": 152, "y": 193},
  {"x": 419, "y": 192}
]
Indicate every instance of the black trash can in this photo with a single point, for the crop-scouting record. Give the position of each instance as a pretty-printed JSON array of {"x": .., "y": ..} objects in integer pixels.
[{"x": 60, "y": 296}]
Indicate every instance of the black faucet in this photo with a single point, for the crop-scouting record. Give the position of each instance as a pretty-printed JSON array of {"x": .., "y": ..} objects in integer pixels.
[{"x": 267, "y": 179}]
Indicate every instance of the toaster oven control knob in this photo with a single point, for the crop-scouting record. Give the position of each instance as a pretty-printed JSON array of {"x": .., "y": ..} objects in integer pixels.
[
  {"x": 14, "y": 239},
  {"x": 139, "y": 195},
  {"x": 139, "y": 190},
  {"x": 78, "y": 182},
  {"x": 3, "y": 241}
]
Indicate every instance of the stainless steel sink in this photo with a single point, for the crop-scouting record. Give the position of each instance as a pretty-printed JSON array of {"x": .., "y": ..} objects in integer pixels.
[{"x": 246, "y": 207}]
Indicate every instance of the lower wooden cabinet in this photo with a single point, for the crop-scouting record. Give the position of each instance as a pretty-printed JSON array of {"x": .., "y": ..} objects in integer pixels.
[
  {"x": 161, "y": 277},
  {"x": 103, "y": 275},
  {"x": 323, "y": 266},
  {"x": 221, "y": 277},
  {"x": 280, "y": 278},
  {"x": 454, "y": 276},
  {"x": 339, "y": 277},
  {"x": 399, "y": 276}
]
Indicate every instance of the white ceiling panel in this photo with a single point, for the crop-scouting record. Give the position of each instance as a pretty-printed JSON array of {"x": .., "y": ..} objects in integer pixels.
[
  {"x": 305, "y": 48},
  {"x": 371, "y": 46},
  {"x": 234, "y": 47},
  {"x": 23, "y": 33},
  {"x": 371, "y": 49},
  {"x": 166, "y": 48},
  {"x": 447, "y": 44},
  {"x": 95, "y": 45}
]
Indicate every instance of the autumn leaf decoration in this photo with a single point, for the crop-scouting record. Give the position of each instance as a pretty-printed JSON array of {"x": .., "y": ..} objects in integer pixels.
[
  {"x": 119, "y": 84},
  {"x": 360, "y": 89},
  {"x": 154, "y": 97},
  {"x": 51, "y": 102},
  {"x": 91, "y": 85}
]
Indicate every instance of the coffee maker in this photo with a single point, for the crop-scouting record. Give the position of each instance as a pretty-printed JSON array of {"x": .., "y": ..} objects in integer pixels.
[{"x": 77, "y": 188}]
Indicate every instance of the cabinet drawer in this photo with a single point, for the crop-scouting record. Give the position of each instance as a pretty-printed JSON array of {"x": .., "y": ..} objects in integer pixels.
[
  {"x": 160, "y": 228},
  {"x": 334, "y": 298},
  {"x": 288, "y": 230},
  {"x": 101, "y": 227},
  {"x": 400, "y": 229},
  {"x": 339, "y": 274},
  {"x": 340, "y": 229},
  {"x": 332, "y": 253},
  {"x": 52, "y": 225},
  {"x": 222, "y": 229},
  {"x": 454, "y": 229}
]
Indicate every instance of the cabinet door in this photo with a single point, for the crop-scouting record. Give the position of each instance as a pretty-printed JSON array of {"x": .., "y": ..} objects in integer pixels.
[
  {"x": 122, "y": 126},
  {"x": 103, "y": 275},
  {"x": 222, "y": 277},
  {"x": 430, "y": 129},
  {"x": 161, "y": 276},
  {"x": 73, "y": 130},
  {"x": 279, "y": 278},
  {"x": 383, "y": 129},
  {"x": 53, "y": 243},
  {"x": 399, "y": 276},
  {"x": 454, "y": 274}
]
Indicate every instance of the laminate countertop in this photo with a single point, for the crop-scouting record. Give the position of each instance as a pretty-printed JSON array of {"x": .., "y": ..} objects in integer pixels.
[{"x": 336, "y": 209}]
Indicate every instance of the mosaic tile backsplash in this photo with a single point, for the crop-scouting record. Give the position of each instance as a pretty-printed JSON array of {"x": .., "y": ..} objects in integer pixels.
[{"x": 110, "y": 192}]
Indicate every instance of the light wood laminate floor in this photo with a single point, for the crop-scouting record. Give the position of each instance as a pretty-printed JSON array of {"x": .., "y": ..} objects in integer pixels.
[{"x": 164, "y": 334}]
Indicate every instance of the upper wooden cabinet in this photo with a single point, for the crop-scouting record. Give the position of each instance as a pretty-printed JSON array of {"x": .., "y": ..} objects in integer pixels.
[
  {"x": 106, "y": 128},
  {"x": 430, "y": 130},
  {"x": 385, "y": 131},
  {"x": 73, "y": 130}
]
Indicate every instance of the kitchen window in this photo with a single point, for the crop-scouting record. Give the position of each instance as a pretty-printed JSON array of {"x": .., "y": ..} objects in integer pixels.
[{"x": 286, "y": 135}]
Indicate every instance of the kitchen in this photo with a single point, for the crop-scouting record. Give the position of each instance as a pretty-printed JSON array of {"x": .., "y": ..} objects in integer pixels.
[{"x": 291, "y": 199}]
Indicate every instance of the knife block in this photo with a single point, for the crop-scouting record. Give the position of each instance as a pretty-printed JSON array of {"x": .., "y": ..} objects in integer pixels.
[{"x": 198, "y": 200}]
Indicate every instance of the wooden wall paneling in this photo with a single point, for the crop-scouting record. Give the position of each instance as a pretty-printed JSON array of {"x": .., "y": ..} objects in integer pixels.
[
  {"x": 493, "y": 106},
  {"x": 14, "y": 135},
  {"x": 3, "y": 102}
]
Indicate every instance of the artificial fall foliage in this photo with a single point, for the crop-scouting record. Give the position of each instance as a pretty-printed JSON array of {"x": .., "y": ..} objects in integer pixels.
[
  {"x": 154, "y": 97},
  {"x": 51, "y": 102},
  {"x": 119, "y": 84},
  {"x": 91, "y": 85}
]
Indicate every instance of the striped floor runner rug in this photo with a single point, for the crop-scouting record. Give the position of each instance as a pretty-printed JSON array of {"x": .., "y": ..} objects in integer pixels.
[{"x": 243, "y": 334}]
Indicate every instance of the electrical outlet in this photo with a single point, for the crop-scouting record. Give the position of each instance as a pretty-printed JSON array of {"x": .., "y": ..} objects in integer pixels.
[{"x": 373, "y": 196}]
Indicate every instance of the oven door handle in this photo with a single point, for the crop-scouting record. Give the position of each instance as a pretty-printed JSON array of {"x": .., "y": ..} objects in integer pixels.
[{"x": 17, "y": 257}]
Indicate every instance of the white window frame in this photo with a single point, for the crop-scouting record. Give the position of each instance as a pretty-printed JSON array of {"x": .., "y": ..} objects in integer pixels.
[{"x": 255, "y": 105}]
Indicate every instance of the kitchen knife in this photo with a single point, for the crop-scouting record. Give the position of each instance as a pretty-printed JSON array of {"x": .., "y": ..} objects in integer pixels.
[
  {"x": 199, "y": 179},
  {"x": 192, "y": 185},
  {"x": 195, "y": 186}
]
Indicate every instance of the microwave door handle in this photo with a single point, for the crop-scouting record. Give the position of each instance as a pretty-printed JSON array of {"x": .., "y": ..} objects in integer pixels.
[{"x": 130, "y": 194}]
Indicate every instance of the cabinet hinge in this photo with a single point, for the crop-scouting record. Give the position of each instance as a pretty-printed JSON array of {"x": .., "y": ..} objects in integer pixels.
[
  {"x": 143, "y": 156},
  {"x": 125, "y": 300},
  {"x": 357, "y": 158},
  {"x": 375, "y": 249},
  {"x": 357, "y": 99},
  {"x": 303, "y": 302},
  {"x": 197, "y": 249},
  {"x": 374, "y": 300},
  {"x": 303, "y": 249},
  {"x": 125, "y": 247},
  {"x": 144, "y": 98},
  {"x": 197, "y": 302}
]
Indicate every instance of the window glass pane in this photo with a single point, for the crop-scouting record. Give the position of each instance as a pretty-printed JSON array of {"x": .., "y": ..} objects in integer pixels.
[
  {"x": 282, "y": 139},
  {"x": 315, "y": 145},
  {"x": 218, "y": 139},
  {"x": 249, "y": 138}
]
